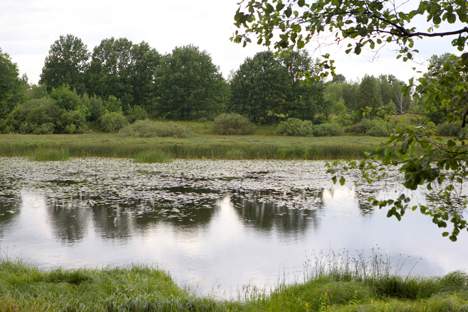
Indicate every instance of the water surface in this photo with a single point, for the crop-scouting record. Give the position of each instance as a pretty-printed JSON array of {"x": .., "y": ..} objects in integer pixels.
[{"x": 216, "y": 226}]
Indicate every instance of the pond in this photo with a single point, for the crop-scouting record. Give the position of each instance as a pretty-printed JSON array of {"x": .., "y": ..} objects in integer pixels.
[{"x": 220, "y": 228}]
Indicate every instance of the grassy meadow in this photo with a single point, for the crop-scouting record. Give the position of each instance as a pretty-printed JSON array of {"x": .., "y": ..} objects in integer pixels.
[
  {"x": 140, "y": 288},
  {"x": 202, "y": 145}
]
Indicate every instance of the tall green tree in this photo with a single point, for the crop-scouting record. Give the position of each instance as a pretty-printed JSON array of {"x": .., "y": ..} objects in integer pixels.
[
  {"x": 369, "y": 97},
  {"x": 290, "y": 24},
  {"x": 266, "y": 88},
  {"x": 259, "y": 88},
  {"x": 125, "y": 70},
  {"x": 190, "y": 85},
  {"x": 10, "y": 85},
  {"x": 66, "y": 64}
]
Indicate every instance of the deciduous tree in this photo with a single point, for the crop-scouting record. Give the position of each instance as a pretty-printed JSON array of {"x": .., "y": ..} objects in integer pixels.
[
  {"x": 66, "y": 64},
  {"x": 10, "y": 85},
  {"x": 267, "y": 88},
  {"x": 190, "y": 85}
]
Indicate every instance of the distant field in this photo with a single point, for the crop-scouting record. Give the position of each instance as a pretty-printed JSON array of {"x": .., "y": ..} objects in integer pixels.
[{"x": 201, "y": 146}]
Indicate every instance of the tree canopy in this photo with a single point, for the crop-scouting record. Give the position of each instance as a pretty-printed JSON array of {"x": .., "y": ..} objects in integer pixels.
[
  {"x": 436, "y": 164},
  {"x": 66, "y": 63},
  {"x": 267, "y": 87},
  {"x": 10, "y": 85},
  {"x": 191, "y": 86},
  {"x": 125, "y": 70}
]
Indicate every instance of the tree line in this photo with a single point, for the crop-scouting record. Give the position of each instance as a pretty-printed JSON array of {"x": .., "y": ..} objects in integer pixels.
[{"x": 121, "y": 82}]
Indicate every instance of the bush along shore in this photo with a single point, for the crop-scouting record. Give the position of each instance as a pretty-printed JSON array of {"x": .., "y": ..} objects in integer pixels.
[{"x": 141, "y": 288}]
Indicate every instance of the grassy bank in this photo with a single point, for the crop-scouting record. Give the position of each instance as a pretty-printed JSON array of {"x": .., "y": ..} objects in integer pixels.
[
  {"x": 55, "y": 147},
  {"x": 24, "y": 288}
]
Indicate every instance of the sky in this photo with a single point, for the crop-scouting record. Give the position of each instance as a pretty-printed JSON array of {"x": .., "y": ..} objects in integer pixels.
[{"x": 29, "y": 27}]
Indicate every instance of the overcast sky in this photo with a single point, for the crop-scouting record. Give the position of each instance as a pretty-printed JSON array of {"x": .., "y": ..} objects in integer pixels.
[{"x": 29, "y": 27}]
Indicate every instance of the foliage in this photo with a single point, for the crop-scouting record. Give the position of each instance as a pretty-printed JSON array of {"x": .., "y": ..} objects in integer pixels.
[
  {"x": 44, "y": 116},
  {"x": 190, "y": 85},
  {"x": 149, "y": 129},
  {"x": 233, "y": 124},
  {"x": 449, "y": 129},
  {"x": 328, "y": 129},
  {"x": 124, "y": 70},
  {"x": 94, "y": 106},
  {"x": 137, "y": 113},
  {"x": 10, "y": 85},
  {"x": 438, "y": 165},
  {"x": 113, "y": 122},
  {"x": 295, "y": 127},
  {"x": 65, "y": 98},
  {"x": 66, "y": 64},
  {"x": 378, "y": 130},
  {"x": 368, "y": 97},
  {"x": 113, "y": 105},
  {"x": 264, "y": 88}
]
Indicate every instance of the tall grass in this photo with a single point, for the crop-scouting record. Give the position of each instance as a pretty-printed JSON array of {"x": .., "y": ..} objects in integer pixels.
[
  {"x": 152, "y": 156},
  {"x": 210, "y": 147},
  {"x": 341, "y": 285},
  {"x": 49, "y": 154}
]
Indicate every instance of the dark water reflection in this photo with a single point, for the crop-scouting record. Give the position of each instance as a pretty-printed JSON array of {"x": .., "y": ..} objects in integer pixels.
[{"x": 219, "y": 245}]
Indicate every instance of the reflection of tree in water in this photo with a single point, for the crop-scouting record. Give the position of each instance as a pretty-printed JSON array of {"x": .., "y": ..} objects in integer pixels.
[
  {"x": 119, "y": 218},
  {"x": 122, "y": 220},
  {"x": 68, "y": 220},
  {"x": 9, "y": 212},
  {"x": 268, "y": 216}
]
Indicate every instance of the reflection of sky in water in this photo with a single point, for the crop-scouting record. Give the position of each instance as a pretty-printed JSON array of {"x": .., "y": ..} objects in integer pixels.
[{"x": 238, "y": 242}]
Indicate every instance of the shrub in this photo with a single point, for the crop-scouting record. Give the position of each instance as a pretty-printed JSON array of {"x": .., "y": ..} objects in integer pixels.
[
  {"x": 73, "y": 122},
  {"x": 113, "y": 105},
  {"x": 378, "y": 130},
  {"x": 233, "y": 124},
  {"x": 65, "y": 98},
  {"x": 148, "y": 129},
  {"x": 31, "y": 115},
  {"x": 449, "y": 128},
  {"x": 363, "y": 126},
  {"x": 113, "y": 122},
  {"x": 95, "y": 107},
  {"x": 137, "y": 113},
  {"x": 45, "y": 128},
  {"x": 328, "y": 129},
  {"x": 295, "y": 127}
]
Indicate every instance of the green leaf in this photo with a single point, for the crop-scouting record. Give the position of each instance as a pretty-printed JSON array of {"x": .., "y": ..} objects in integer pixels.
[{"x": 342, "y": 180}]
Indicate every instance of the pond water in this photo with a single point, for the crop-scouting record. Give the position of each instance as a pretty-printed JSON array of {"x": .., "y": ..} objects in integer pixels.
[{"x": 220, "y": 228}]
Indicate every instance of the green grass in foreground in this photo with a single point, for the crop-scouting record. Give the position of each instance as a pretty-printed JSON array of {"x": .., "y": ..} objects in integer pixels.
[
  {"x": 139, "y": 288},
  {"x": 60, "y": 147}
]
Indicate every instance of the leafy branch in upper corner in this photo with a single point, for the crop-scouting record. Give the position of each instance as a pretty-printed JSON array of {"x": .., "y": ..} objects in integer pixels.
[{"x": 424, "y": 161}]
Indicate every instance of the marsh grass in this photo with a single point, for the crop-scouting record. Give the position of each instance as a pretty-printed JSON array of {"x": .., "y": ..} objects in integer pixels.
[
  {"x": 152, "y": 156},
  {"x": 149, "y": 129},
  {"x": 344, "y": 283},
  {"x": 199, "y": 147},
  {"x": 50, "y": 154}
]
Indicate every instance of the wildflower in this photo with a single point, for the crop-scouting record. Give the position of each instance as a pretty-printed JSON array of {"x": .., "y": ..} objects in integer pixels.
[
  {"x": 326, "y": 294},
  {"x": 307, "y": 304},
  {"x": 372, "y": 301}
]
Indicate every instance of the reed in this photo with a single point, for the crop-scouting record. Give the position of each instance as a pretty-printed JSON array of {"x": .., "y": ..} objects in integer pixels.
[
  {"x": 49, "y": 154},
  {"x": 198, "y": 147},
  {"x": 152, "y": 156}
]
